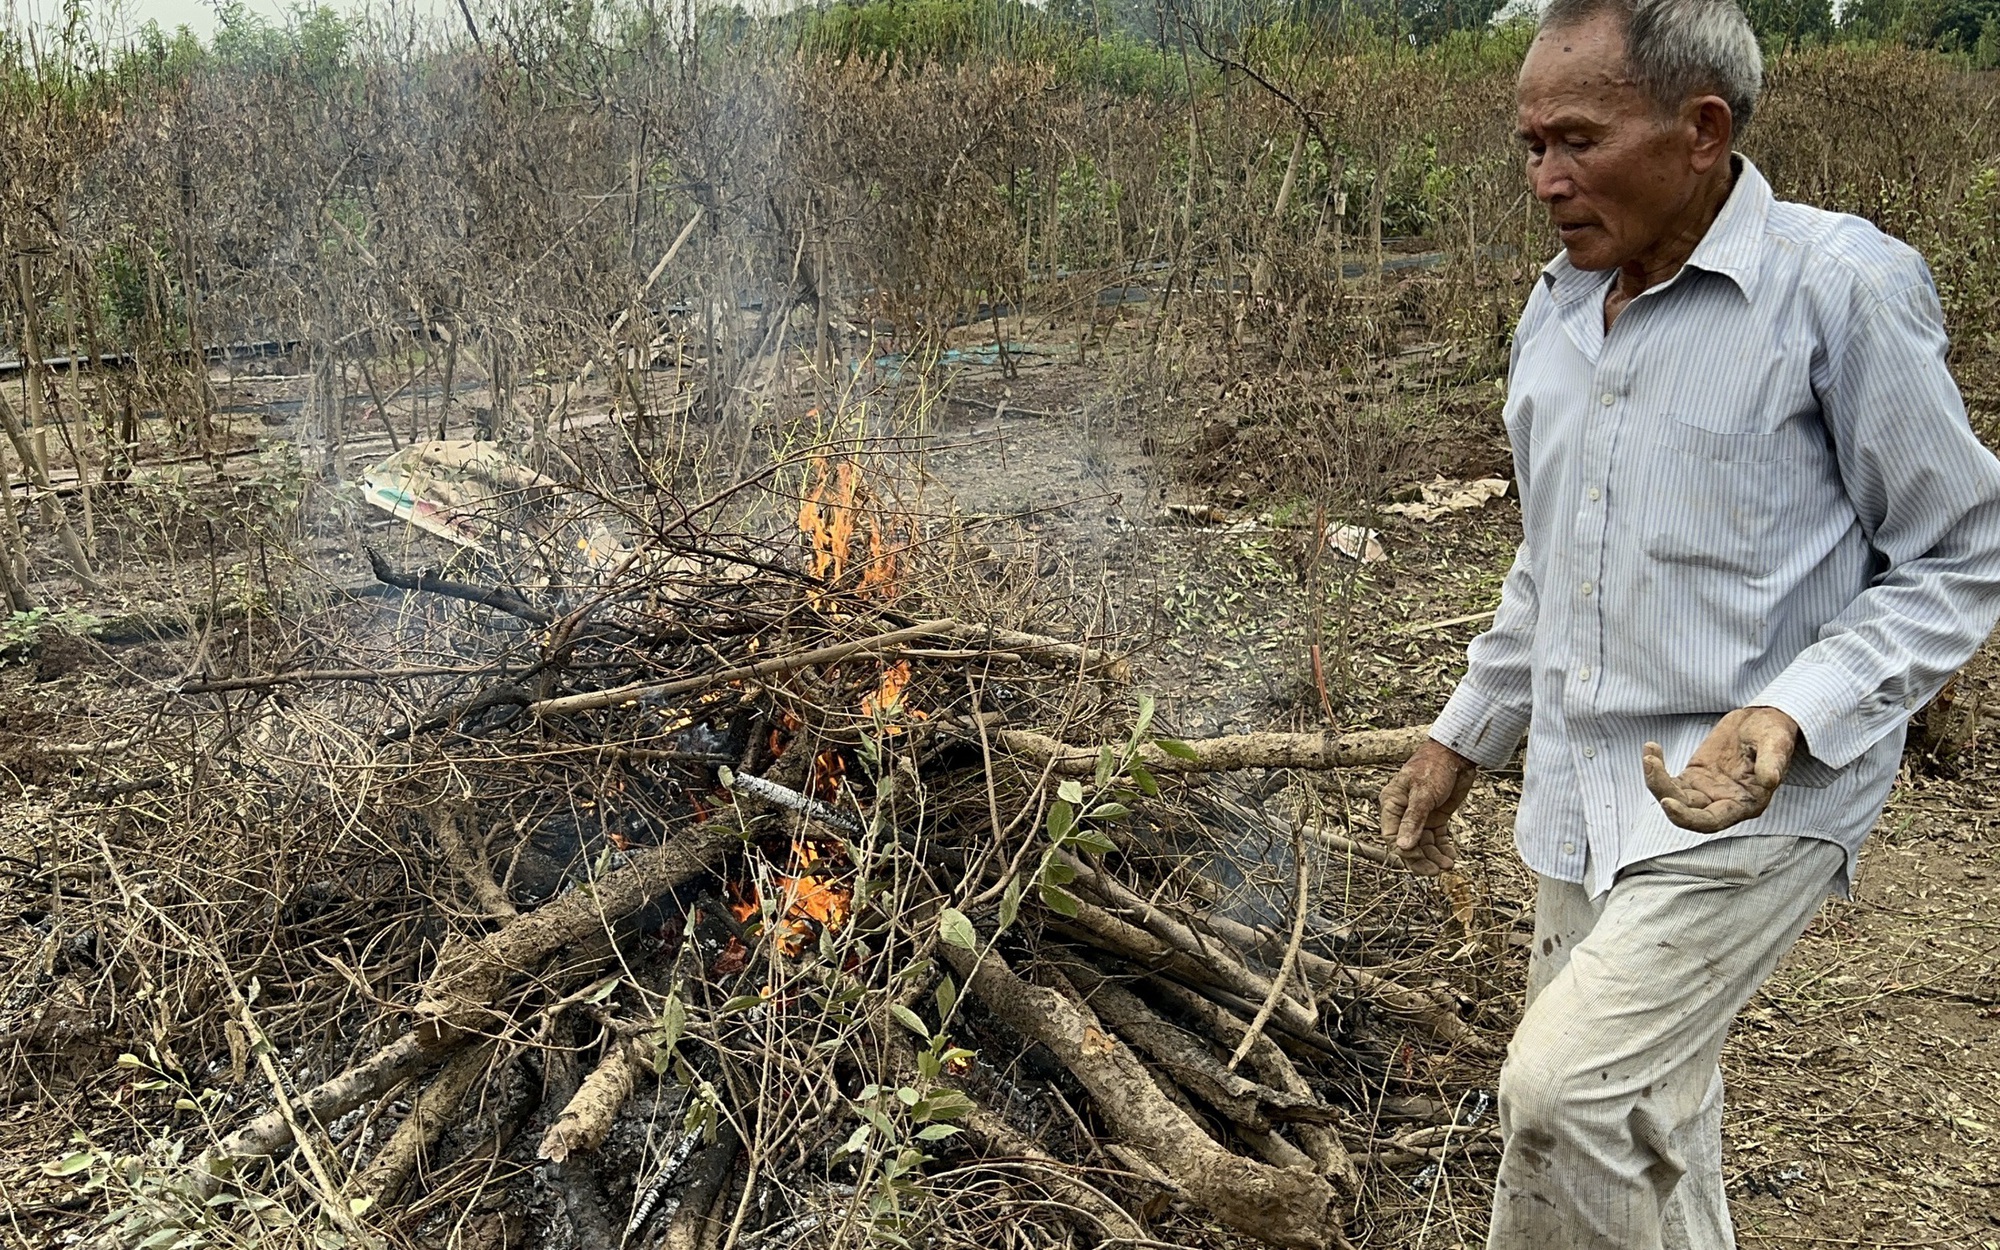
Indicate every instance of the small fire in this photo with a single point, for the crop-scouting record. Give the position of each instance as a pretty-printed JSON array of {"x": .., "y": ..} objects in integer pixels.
[
  {"x": 887, "y": 698},
  {"x": 829, "y": 771},
  {"x": 781, "y": 733},
  {"x": 834, "y": 510},
  {"x": 885, "y": 702},
  {"x": 811, "y": 892},
  {"x": 827, "y": 518}
]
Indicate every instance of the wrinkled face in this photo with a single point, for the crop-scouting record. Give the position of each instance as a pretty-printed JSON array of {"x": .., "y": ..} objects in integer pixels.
[{"x": 1616, "y": 176}]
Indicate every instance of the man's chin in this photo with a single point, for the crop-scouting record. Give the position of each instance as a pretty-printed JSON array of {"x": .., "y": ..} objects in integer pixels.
[
  {"x": 1589, "y": 251},
  {"x": 1591, "y": 259}
]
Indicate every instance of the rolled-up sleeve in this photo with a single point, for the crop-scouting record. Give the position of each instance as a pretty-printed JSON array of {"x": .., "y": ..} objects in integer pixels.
[{"x": 1927, "y": 493}]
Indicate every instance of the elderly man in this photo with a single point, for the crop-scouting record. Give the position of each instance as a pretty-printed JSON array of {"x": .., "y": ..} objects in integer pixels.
[{"x": 1758, "y": 533}]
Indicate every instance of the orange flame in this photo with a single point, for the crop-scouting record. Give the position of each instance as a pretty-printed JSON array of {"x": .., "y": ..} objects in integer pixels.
[
  {"x": 810, "y": 893},
  {"x": 827, "y": 517},
  {"x": 886, "y": 701},
  {"x": 888, "y": 697},
  {"x": 828, "y": 772},
  {"x": 834, "y": 510},
  {"x": 781, "y": 733}
]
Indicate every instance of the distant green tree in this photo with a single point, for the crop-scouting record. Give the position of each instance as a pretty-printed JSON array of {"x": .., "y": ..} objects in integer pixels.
[
  {"x": 1961, "y": 26},
  {"x": 1787, "y": 24},
  {"x": 1986, "y": 52},
  {"x": 314, "y": 42},
  {"x": 154, "y": 56}
]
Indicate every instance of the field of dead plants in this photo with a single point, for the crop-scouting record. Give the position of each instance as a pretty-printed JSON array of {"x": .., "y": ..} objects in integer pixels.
[{"x": 664, "y": 631}]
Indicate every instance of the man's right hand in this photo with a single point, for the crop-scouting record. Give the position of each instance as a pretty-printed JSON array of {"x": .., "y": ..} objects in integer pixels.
[{"x": 1417, "y": 805}]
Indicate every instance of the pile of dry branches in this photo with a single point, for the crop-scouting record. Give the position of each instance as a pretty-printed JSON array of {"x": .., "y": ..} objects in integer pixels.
[{"x": 749, "y": 897}]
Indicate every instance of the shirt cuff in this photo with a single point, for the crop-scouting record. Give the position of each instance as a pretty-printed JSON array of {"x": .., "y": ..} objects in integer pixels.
[
  {"x": 1480, "y": 727},
  {"x": 1823, "y": 699}
]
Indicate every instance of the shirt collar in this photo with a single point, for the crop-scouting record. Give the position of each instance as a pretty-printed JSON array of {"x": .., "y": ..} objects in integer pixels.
[{"x": 1733, "y": 246}]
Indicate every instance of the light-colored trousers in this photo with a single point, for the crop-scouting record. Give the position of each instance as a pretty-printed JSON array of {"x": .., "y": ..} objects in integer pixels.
[{"x": 1611, "y": 1098}]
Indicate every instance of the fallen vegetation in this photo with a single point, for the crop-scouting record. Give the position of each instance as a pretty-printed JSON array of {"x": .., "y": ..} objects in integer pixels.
[{"x": 515, "y": 736}]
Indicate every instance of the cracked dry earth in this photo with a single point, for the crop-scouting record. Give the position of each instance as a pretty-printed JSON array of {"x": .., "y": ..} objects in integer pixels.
[{"x": 1863, "y": 1080}]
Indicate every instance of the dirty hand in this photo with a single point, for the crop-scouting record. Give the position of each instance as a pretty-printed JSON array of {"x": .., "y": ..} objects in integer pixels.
[
  {"x": 1417, "y": 805},
  {"x": 1732, "y": 774}
]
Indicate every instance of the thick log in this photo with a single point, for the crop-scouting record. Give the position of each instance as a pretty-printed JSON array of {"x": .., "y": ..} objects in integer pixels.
[
  {"x": 1441, "y": 1018},
  {"x": 1285, "y": 1206},
  {"x": 471, "y": 976},
  {"x": 432, "y": 1111},
  {"x": 1275, "y": 1069},
  {"x": 374, "y": 1076},
  {"x": 1215, "y": 755},
  {"x": 1185, "y": 1059},
  {"x": 1095, "y": 928},
  {"x": 690, "y": 1218},
  {"x": 586, "y": 1119},
  {"x": 1219, "y": 964}
]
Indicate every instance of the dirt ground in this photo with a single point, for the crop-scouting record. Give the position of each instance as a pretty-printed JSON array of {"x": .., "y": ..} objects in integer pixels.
[{"x": 1864, "y": 1080}]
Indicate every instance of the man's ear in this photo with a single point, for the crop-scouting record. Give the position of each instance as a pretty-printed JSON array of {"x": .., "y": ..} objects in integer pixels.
[{"x": 1714, "y": 130}]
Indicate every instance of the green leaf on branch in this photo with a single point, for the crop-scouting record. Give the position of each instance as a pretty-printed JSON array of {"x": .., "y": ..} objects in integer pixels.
[
  {"x": 1093, "y": 840},
  {"x": 1062, "y": 819},
  {"x": 910, "y": 1020},
  {"x": 941, "y": 1104},
  {"x": 1070, "y": 791},
  {"x": 954, "y": 928},
  {"x": 1010, "y": 903},
  {"x": 1145, "y": 781},
  {"x": 947, "y": 996},
  {"x": 1058, "y": 900},
  {"x": 1176, "y": 748}
]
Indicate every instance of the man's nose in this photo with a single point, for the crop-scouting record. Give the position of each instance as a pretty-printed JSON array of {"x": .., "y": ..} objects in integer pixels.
[{"x": 1551, "y": 179}]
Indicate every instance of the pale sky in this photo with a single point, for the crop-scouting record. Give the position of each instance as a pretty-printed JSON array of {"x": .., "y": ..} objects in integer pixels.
[{"x": 117, "y": 17}]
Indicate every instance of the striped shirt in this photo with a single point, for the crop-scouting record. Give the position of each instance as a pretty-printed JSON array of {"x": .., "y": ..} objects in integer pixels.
[{"x": 1760, "y": 488}]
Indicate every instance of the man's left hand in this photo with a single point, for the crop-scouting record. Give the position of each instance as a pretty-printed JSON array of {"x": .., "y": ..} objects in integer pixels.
[{"x": 1733, "y": 773}]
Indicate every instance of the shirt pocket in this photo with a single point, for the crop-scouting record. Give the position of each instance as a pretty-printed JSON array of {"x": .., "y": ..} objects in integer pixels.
[
  {"x": 1712, "y": 499},
  {"x": 1726, "y": 446}
]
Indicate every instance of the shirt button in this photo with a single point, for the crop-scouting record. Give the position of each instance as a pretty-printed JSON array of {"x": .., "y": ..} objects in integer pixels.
[
  {"x": 1583, "y": 674},
  {"x": 1569, "y": 848},
  {"x": 1595, "y": 494},
  {"x": 1590, "y": 753},
  {"x": 1609, "y": 399},
  {"x": 1584, "y": 589}
]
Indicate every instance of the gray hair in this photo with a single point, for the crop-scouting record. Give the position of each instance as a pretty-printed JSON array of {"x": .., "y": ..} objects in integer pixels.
[{"x": 1678, "y": 49}]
